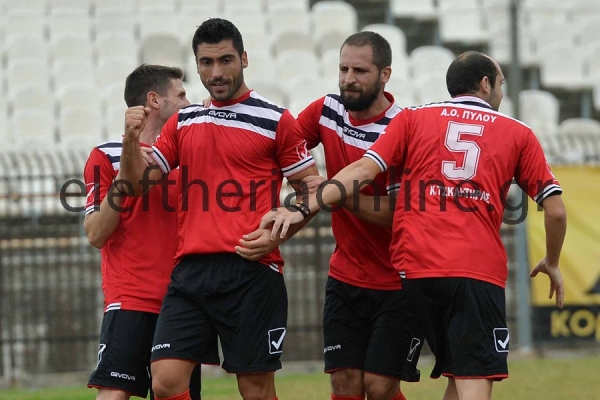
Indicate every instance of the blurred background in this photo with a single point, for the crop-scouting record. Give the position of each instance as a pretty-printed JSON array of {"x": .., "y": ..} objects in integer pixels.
[{"x": 63, "y": 68}]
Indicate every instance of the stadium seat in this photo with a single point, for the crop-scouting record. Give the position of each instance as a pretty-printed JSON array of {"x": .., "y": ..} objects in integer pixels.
[
  {"x": 497, "y": 22},
  {"x": 592, "y": 62},
  {"x": 248, "y": 22},
  {"x": 113, "y": 24},
  {"x": 461, "y": 24},
  {"x": 562, "y": 66},
  {"x": 584, "y": 11},
  {"x": 270, "y": 91},
  {"x": 158, "y": 24},
  {"x": 162, "y": 49},
  {"x": 113, "y": 70},
  {"x": 296, "y": 63},
  {"x": 26, "y": 7},
  {"x": 289, "y": 40},
  {"x": 331, "y": 40},
  {"x": 298, "y": 104},
  {"x": 77, "y": 95},
  {"x": 114, "y": 7},
  {"x": 115, "y": 122},
  {"x": 81, "y": 125},
  {"x": 394, "y": 35},
  {"x": 26, "y": 73},
  {"x": 117, "y": 44},
  {"x": 31, "y": 97},
  {"x": 334, "y": 15},
  {"x": 403, "y": 92},
  {"x": 246, "y": 6},
  {"x": 25, "y": 47},
  {"x": 400, "y": 66},
  {"x": 28, "y": 25},
  {"x": 157, "y": 6},
  {"x": 257, "y": 44},
  {"x": 283, "y": 19},
  {"x": 419, "y": 10},
  {"x": 430, "y": 59},
  {"x": 330, "y": 64},
  {"x": 113, "y": 95},
  {"x": 303, "y": 5},
  {"x": 201, "y": 8},
  {"x": 589, "y": 32},
  {"x": 70, "y": 46},
  {"x": 69, "y": 71},
  {"x": 431, "y": 88},
  {"x": 311, "y": 88},
  {"x": 580, "y": 127},
  {"x": 507, "y": 107},
  {"x": 70, "y": 25},
  {"x": 70, "y": 7},
  {"x": 259, "y": 68},
  {"x": 33, "y": 129},
  {"x": 540, "y": 110},
  {"x": 3, "y": 120}
]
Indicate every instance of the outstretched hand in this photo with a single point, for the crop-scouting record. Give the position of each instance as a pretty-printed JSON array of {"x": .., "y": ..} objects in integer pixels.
[
  {"x": 556, "y": 281},
  {"x": 281, "y": 218}
]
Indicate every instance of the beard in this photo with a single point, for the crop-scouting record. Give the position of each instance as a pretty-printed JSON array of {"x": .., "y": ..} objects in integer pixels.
[
  {"x": 234, "y": 84},
  {"x": 365, "y": 98}
]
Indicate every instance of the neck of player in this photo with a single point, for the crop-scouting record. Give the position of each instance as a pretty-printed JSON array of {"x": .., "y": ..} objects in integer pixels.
[
  {"x": 380, "y": 104},
  {"x": 151, "y": 131}
]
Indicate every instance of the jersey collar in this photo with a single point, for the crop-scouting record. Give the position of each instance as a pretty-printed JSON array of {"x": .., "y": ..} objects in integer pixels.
[
  {"x": 243, "y": 97},
  {"x": 470, "y": 100}
]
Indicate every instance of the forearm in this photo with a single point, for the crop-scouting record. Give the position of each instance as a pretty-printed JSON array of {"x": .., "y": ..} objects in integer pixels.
[
  {"x": 378, "y": 210},
  {"x": 101, "y": 224},
  {"x": 133, "y": 167},
  {"x": 555, "y": 224}
]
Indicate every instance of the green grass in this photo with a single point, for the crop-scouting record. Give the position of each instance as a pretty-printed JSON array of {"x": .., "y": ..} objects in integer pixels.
[{"x": 540, "y": 379}]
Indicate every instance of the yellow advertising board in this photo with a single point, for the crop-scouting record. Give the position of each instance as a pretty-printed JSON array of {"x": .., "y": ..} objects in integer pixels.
[{"x": 580, "y": 259}]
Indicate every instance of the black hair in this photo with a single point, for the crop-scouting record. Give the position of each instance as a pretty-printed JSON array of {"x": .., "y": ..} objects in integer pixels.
[
  {"x": 215, "y": 30},
  {"x": 466, "y": 72},
  {"x": 382, "y": 51},
  {"x": 149, "y": 78}
]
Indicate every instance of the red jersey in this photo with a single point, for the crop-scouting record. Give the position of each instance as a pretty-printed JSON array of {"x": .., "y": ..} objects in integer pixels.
[
  {"x": 138, "y": 258},
  {"x": 361, "y": 256},
  {"x": 233, "y": 157},
  {"x": 458, "y": 161}
]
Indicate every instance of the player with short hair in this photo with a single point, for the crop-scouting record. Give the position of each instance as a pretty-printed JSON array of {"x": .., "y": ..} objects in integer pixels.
[
  {"x": 458, "y": 159},
  {"x": 138, "y": 240},
  {"x": 233, "y": 156},
  {"x": 370, "y": 342}
]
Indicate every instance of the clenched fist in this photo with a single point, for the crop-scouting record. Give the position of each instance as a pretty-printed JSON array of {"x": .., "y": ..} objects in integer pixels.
[{"x": 135, "y": 121}]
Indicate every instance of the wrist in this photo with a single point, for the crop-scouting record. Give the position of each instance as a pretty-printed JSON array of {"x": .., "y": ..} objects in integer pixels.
[{"x": 302, "y": 209}]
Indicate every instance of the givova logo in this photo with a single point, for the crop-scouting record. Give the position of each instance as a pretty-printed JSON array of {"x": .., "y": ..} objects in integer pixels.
[
  {"x": 122, "y": 376},
  {"x": 161, "y": 346},
  {"x": 276, "y": 337},
  {"x": 101, "y": 349},
  {"x": 331, "y": 348},
  {"x": 501, "y": 338}
]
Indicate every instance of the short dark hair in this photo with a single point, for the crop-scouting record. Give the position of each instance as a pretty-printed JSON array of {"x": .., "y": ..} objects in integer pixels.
[
  {"x": 466, "y": 72},
  {"x": 149, "y": 78},
  {"x": 382, "y": 51},
  {"x": 215, "y": 30}
]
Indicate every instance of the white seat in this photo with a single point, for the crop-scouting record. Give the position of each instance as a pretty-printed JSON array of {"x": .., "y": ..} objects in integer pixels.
[
  {"x": 592, "y": 62},
  {"x": 271, "y": 91},
  {"x": 31, "y": 97},
  {"x": 113, "y": 24},
  {"x": 77, "y": 95},
  {"x": 256, "y": 44},
  {"x": 550, "y": 33},
  {"x": 507, "y": 106},
  {"x": 259, "y": 68},
  {"x": 25, "y": 47},
  {"x": 3, "y": 120},
  {"x": 115, "y": 121},
  {"x": 334, "y": 15},
  {"x": 394, "y": 35},
  {"x": 236, "y": 6},
  {"x": 420, "y": 10},
  {"x": 331, "y": 40},
  {"x": 71, "y": 46},
  {"x": 26, "y": 7},
  {"x": 400, "y": 66},
  {"x": 430, "y": 59},
  {"x": 280, "y": 19},
  {"x": 288, "y": 40},
  {"x": 201, "y": 8},
  {"x": 33, "y": 129},
  {"x": 115, "y": 7},
  {"x": 26, "y": 73},
  {"x": 72, "y": 7},
  {"x": 296, "y": 63},
  {"x": 310, "y": 88},
  {"x": 162, "y": 49},
  {"x": 584, "y": 11},
  {"x": 403, "y": 92},
  {"x": 330, "y": 64},
  {"x": 117, "y": 44},
  {"x": 562, "y": 66},
  {"x": 70, "y": 25},
  {"x": 113, "y": 95},
  {"x": 540, "y": 110},
  {"x": 497, "y": 22},
  {"x": 248, "y": 22},
  {"x": 157, "y": 6},
  {"x": 431, "y": 88},
  {"x": 156, "y": 24},
  {"x": 589, "y": 32},
  {"x": 69, "y": 71},
  {"x": 580, "y": 127},
  {"x": 80, "y": 124},
  {"x": 113, "y": 70},
  {"x": 465, "y": 25},
  {"x": 298, "y": 104},
  {"x": 288, "y": 4},
  {"x": 28, "y": 25},
  {"x": 458, "y": 4}
]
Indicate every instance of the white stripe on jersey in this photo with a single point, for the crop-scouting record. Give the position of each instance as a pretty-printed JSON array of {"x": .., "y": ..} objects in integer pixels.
[
  {"x": 161, "y": 161},
  {"x": 297, "y": 167},
  {"x": 112, "y": 152},
  {"x": 550, "y": 189},
  {"x": 378, "y": 160},
  {"x": 204, "y": 119},
  {"x": 113, "y": 306}
]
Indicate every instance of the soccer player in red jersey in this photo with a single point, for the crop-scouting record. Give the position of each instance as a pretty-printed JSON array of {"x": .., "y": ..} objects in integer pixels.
[
  {"x": 233, "y": 156},
  {"x": 138, "y": 239},
  {"x": 458, "y": 159},
  {"x": 370, "y": 342}
]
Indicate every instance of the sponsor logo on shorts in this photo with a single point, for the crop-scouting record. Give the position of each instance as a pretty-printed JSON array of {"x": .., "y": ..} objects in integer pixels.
[
  {"x": 501, "y": 338},
  {"x": 331, "y": 348},
  {"x": 101, "y": 349},
  {"x": 412, "y": 350},
  {"x": 122, "y": 376},
  {"x": 161, "y": 346},
  {"x": 276, "y": 340}
]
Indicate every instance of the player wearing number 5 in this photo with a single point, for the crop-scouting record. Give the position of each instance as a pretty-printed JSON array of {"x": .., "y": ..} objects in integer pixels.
[{"x": 458, "y": 159}]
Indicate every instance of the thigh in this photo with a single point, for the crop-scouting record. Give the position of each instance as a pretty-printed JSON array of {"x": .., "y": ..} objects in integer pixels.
[
  {"x": 345, "y": 332},
  {"x": 124, "y": 352},
  {"x": 184, "y": 331},
  {"x": 478, "y": 338},
  {"x": 395, "y": 343},
  {"x": 250, "y": 317}
]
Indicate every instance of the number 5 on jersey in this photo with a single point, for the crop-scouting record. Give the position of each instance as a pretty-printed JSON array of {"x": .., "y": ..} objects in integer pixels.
[{"x": 457, "y": 144}]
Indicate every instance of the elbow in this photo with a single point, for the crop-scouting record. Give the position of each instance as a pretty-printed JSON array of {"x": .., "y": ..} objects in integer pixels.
[
  {"x": 95, "y": 240},
  {"x": 555, "y": 210}
]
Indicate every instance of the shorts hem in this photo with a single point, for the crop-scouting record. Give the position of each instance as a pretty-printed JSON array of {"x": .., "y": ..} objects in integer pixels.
[
  {"x": 494, "y": 377},
  {"x": 96, "y": 384},
  {"x": 394, "y": 375},
  {"x": 253, "y": 369}
]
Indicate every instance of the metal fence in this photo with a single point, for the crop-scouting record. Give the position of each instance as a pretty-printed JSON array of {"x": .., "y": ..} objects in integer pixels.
[{"x": 50, "y": 298}]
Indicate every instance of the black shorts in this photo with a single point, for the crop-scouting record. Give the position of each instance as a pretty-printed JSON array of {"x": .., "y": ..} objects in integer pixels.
[
  {"x": 243, "y": 303},
  {"x": 464, "y": 322},
  {"x": 371, "y": 330},
  {"x": 124, "y": 354}
]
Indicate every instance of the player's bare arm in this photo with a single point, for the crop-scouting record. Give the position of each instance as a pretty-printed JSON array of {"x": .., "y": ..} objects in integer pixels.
[
  {"x": 101, "y": 224},
  {"x": 133, "y": 164},
  {"x": 555, "y": 223},
  {"x": 362, "y": 171}
]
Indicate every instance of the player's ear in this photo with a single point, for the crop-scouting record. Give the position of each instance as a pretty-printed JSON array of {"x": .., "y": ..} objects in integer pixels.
[
  {"x": 386, "y": 74},
  {"x": 152, "y": 100},
  {"x": 244, "y": 59}
]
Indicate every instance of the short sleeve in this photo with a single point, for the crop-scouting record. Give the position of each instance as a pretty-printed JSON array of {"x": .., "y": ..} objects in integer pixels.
[
  {"x": 292, "y": 152},
  {"x": 533, "y": 173},
  {"x": 308, "y": 121},
  {"x": 98, "y": 175},
  {"x": 388, "y": 150},
  {"x": 166, "y": 148}
]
